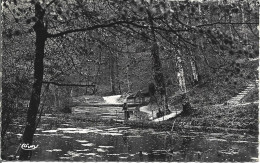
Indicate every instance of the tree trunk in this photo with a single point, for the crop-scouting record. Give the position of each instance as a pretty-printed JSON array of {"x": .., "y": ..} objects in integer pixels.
[
  {"x": 55, "y": 97},
  {"x": 41, "y": 36},
  {"x": 180, "y": 75},
  {"x": 97, "y": 78},
  {"x": 185, "y": 99},
  {"x": 186, "y": 105},
  {"x": 157, "y": 67},
  {"x": 117, "y": 74},
  {"x": 112, "y": 73},
  {"x": 71, "y": 92},
  {"x": 194, "y": 71},
  {"x": 127, "y": 70},
  {"x": 127, "y": 78},
  {"x": 158, "y": 75},
  {"x": 59, "y": 97}
]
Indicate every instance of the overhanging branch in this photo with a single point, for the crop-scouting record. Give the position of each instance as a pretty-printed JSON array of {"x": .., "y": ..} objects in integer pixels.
[
  {"x": 63, "y": 84},
  {"x": 86, "y": 29},
  {"x": 224, "y": 23}
]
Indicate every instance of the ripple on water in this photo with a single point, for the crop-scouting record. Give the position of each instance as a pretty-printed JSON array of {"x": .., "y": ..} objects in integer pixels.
[
  {"x": 65, "y": 158},
  {"x": 105, "y": 133},
  {"x": 70, "y": 132},
  {"x": 65, "y": 124},
  {"x": 123, "y": 128},
  {"x": 82, "y": 141},
  {"x": 68, "y": 129},
  {"x": 216, "y": 139},
  {"x": 50, "y": 131},
  {"x": 90, "y": 154},
  {"x": 113, "y": 131},
  {"x": 37, "y": 129},
  {"x": 50, "y": 135},
  {"x": 84, "y": 131},
  {"x": 82, "y": 150},
  {"x": 134, "y": 136},
  {"x": 88, "y": 145},
  {"x": 240, "y": 141},
  {"x": 109, "y": 129},
  {"x": 113, "y": 154},
  {"x": 101, "y": 150},
  {"x": 74, "y": 154},
  {"x": 188, "y": 136},
  {"x": 98, "y": 156},
  {"x": 116, "y": 134},
  {"x": 102, "y": 146},
  {"x": 54, "y": 150},
  {"x": 66, "y": 137},
  {"x": 176, "y": 153},
  {"x": 216, "y": 134},
  {"x": 110, "y": 133}
]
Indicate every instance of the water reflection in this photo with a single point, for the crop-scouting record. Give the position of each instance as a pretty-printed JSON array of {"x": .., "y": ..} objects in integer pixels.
[{"x": 108, "y": 143}]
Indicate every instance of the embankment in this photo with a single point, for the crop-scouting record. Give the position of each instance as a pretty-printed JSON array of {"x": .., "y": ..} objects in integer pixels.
[{"x": 212, "y": 119}]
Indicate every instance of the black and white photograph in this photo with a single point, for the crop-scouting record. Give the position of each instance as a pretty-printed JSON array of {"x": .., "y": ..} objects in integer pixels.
[{"x": 130, "y": 80}]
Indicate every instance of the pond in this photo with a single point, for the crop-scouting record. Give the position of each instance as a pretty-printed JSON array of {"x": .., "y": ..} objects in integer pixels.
[{"x": 67, "y": 142}]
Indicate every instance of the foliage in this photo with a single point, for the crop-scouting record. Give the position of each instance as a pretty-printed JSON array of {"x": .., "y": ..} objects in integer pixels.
[
  {"x": 180, "y": 21},
  {"x": 15, "y": 93},
  {"x": 252, "y": 96},
  {"x": 105, "y": 43},
  {"x": 240, "y": 117}
]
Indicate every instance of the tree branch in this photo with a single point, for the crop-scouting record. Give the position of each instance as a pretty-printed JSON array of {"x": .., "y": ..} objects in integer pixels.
[
  {"x": 49, "y": 35},
  {"x": 63, "y": 84},
  {"x": 50, "y": 3},
  {"x": 224, "y": 23}
]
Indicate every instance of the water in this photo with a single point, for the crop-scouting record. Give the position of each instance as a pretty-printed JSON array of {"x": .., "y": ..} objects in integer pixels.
[{"x": 67, "y": 142}]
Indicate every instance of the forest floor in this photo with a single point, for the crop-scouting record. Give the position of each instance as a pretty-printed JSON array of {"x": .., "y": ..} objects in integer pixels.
[
  {"x": 215, "y": 118},
  {"x": 211, "y": 117}
]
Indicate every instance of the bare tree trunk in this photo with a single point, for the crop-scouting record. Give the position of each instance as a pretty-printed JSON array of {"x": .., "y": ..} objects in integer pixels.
[
  {"x": 117, "y": 74},
  {"x": 185, "y": 99},
  {"x": 58, "y": 95},
  {"x": 71, "y": 92},
  {"x": 55, "y": 97},
  {"x": 180, "y": 75},
  {"x": 41, "y": 36},
  {"x": 127, "y": 70},
  {"x": 127, "y": 78},
  {"x": 97, "y": 74},
  {"x": 157, "y": 67},
  {"x": 112, "y": 72},
  {"x": 194, "y": 70}
]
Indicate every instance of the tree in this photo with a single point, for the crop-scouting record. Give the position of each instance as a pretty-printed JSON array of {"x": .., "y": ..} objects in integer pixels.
[
  {"x": 41, "y": 27},
  {"x": 158, "y": 24}
]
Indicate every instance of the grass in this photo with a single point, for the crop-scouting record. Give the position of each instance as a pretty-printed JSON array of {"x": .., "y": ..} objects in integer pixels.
[
  {"x": 251, "y": 96},
  {"x": 212, "y": 119},
  {"x": 239, "y": 117},
  {"x": 214, "y": 93}
]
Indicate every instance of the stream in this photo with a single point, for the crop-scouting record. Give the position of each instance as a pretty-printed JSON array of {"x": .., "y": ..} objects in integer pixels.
[{"x": 67, "y": 142}]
